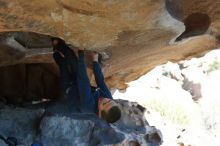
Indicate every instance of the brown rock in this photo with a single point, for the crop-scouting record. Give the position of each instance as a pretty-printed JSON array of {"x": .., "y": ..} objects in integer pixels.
[
  {"x": 138, "y": 34},
  {"x": 153, "y": 137},
  {"x": 134, "y": 143},
  {"x": 180, "y": 143}
]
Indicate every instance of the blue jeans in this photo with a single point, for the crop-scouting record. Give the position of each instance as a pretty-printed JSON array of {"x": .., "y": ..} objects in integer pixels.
[
  {"x": 76, "y": 85},
  {"x": 68, "y": 76}
]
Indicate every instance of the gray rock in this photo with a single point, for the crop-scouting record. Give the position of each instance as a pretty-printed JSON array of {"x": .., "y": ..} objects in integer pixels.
[
  {"x": 59, "y": 129},
  {"x": 79, "y": 129},
  {"x": 153, "y": 136},
  {"x": 2, "y": 143},
  {"x": 132, "y": 117},
  {"x": 192, "y": 81},
  {"x": 134, "y": 124},
  {"x": 20, "y": 123}
]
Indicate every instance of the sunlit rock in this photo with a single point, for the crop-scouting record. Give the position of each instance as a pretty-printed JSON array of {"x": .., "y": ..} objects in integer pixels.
[{"x": 139, "y": 35}]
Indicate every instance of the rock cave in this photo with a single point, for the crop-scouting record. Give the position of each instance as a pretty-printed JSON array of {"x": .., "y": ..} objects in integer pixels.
[{"x": 134, "y": 36}]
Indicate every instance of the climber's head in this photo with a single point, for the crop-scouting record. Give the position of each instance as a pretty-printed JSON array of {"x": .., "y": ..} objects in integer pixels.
[
  {"x": 57, "y": 43},
  {"x": 109, "y": 110}
]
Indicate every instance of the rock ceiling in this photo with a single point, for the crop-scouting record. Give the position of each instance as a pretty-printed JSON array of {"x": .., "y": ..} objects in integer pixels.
[{"x": 138, "y": 34}]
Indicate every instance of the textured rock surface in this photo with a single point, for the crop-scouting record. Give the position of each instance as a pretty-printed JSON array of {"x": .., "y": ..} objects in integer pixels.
[
  {"x": 20, "y": 123},
  {"x": 31, "y": 125},
  {"x": 2, "y": 143},
  {"x": 138, "y": 34},
  {"x": 92, "y": 24},
  {"x": 72, "y": 131}
]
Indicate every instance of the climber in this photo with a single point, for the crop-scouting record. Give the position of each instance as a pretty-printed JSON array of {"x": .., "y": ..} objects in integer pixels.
[{"x": 76, "y": 85}]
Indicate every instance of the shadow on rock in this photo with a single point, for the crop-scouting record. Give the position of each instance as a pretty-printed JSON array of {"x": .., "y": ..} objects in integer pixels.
[{"x": 31, "y": 125}]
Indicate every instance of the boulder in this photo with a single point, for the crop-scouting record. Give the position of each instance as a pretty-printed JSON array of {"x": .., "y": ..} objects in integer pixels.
[
  {"x": 20, "y": 123},
  {"x": 2, "y": 143},
  {"x": 33, "y": 125},
  {"x": 77, "y": 130}
]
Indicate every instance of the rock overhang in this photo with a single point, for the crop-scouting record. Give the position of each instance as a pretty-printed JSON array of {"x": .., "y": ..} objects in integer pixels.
[{"x": 138, "y": 34}]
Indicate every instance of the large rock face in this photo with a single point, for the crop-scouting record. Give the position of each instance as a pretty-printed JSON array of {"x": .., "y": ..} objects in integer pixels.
[
  {"x": 138, "y": 35},
  {"x": 92, "y": 24},
  {"x": 36, "y": 125}
]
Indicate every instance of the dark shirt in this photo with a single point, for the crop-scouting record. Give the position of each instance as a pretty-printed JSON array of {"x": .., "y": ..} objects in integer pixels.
[{"x": 89, "y": 98}]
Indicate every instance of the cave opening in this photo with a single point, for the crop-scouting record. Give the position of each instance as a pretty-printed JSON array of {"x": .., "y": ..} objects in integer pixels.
[
  {"x": 195, "y": 24},
  {"x": 27, "y": 70},
  {"x": 22, "y": 84}
]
